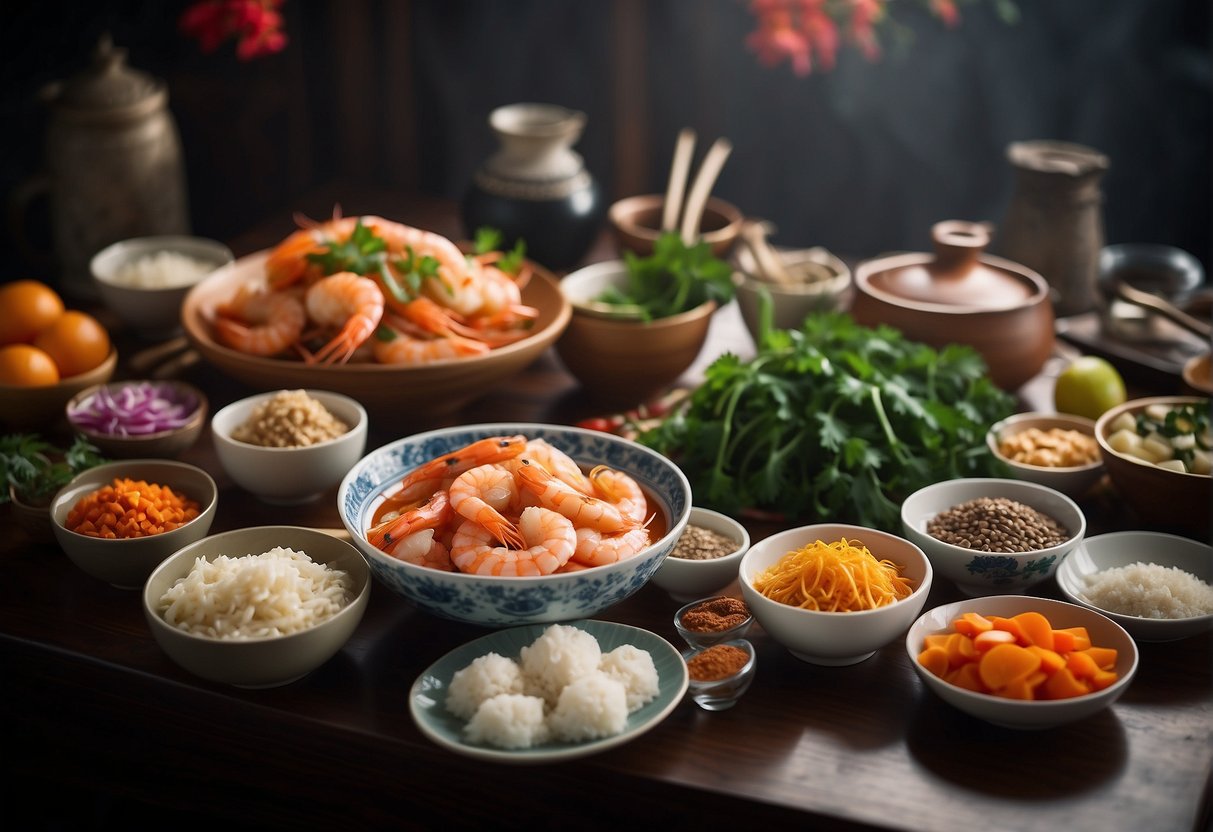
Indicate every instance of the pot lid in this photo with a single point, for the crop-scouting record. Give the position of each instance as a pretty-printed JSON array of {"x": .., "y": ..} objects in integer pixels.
[
  {"x": 958, "y": 275},
  {"x": 107, "y": 86}
]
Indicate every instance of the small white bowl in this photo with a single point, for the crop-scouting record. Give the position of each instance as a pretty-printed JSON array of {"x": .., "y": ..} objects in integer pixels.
[
  {"x": 685, "y": 579},
  {"x": 1074, "y": 480},
  {"x": 991, "y": 573},
  {"x": 1117, "y": 549},
  {"x": 153, "y": 311},
  {"x": 835, "y": 638},
  {"x": 1013, "y": 713},
  {"x": 790, "y": 304},
  {"x": 259, "y": 662},
  {"x": 126, "y": 562},
  {"x": 290, "y": 476}
]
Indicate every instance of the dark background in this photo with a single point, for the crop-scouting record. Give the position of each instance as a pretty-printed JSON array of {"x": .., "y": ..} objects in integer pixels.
[{"x": 861, "y": 159}]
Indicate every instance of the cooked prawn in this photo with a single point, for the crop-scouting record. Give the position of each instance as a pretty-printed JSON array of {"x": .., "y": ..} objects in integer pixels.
[
  {"x": 289, "y": 264},
  {"x": 406, "y": 241},
  {"x": 549, "y": 538},
  {"x": 480, "y": 494},
  {"x": 557, "y": 462},
  {"x": 432, "y": 515},
  {"x": 350, "y": 302},
  {"x": 430, "y": 475},
  {"x": 260, "y": 322},
  {"x": 559, "y": 496},
  {"x": 621, "y": 491},
  {"x": 392, "y": 345},
  {"x": 594, "y": 548}
]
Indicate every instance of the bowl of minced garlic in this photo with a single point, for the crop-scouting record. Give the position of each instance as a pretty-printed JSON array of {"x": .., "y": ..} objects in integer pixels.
[{"x": 1058, "y": 450}]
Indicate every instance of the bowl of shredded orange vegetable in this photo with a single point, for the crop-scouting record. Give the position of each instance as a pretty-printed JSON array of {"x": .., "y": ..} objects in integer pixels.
[
  {"x": 834, "y": 594},
  {"x": 119, "y": 520},
  {"x": 1020, "y": 661}
]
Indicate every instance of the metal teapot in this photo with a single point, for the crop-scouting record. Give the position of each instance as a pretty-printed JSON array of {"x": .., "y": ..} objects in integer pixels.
[{"x": 114, "y": 166}]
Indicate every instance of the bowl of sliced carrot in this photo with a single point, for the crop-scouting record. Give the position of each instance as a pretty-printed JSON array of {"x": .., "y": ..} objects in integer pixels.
[
  {"x": 119, "y": 520},
  {"x": 1022, "y": 662}
]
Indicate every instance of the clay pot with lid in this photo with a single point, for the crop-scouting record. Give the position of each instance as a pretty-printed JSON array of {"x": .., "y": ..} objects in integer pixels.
[{"x": 959, "y": 294}]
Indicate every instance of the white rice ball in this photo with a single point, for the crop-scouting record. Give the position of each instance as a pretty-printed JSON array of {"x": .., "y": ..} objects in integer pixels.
[
  {"x": 634, "y": 668},
  {"x": 487, "y": 676},
  {"x": 508, "y": 720},
  {"x": 559, "y": 656},
  {"x": 590, "y": 707}
]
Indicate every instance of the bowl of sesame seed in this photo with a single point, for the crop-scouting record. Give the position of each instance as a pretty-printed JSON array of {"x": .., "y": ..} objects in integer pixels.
[
  {"x": 993, "y": 536},
  {"x": 706, "y": 556}
]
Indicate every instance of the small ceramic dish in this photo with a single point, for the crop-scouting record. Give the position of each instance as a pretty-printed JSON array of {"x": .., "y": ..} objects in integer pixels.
[
  {"x": 790, "y": 305},
  {"x": 144, "y": 280},
  {"x": 37, "y": 408},
  {"x": 636, "y": 221},
  {"x": 1071, "y": 480},
  {"x": 688, "y": 578},
  {"x": 94, "y": 413},
  {"x": 1020, "y": 713},
  {"x": 126, "y": 562},
  {"x": 722, "y": 693},
  {"x": 706, "y": 638},
  {"x": 265, "y": 661},
  {"x": 294, "y": 475},
  {"x": 1118, "y": 550}
]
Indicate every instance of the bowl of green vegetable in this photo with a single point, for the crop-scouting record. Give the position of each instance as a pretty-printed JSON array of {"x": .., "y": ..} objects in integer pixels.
[{"x": 640, "y": 322}]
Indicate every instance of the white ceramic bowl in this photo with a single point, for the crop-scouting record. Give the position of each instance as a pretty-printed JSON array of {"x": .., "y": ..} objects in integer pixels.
[
  {"x": 505, "y": 601},
  {"x": 1012, "y": 713},
  {"x": 289, "y": 476},
  {"x": 153, "y": 311},
  {"x": 991, "y": 573},
  {"x": 1118, "y": 549},
  {"x": 790, "y": 304},
  {"x": 1073, "y": 480},
  {"x": 685, "y": 579},
  {"x": 835, "y": 638},
  {"x": 127, "y": 562},
  {"x": 259, "y": 662}
]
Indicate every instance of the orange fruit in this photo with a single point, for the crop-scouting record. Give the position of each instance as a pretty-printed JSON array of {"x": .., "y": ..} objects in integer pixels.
[
  {"x": 24, "y": 366},
  {"x": 26, "y": 308},
  {"x": 75, "y": 341}
]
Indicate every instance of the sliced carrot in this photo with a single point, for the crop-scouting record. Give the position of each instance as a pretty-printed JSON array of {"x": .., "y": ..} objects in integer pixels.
[
  {"x": 1063, "y": 685},
  {"x": 1050, "y": 660},
  {"x": 1081, "y": 665},
  {"x": 936, "y": 640},
  {"x": 961, "y": 649},
  {"x": 1036, "y": 629},
  {"x": 967, "y": 677},
  {"x": 971, "y": 623},
  {"x": 1063, "y": 641},
  {"x": 993, "y": 638},
  {"x": 1082, "y": 639},
  {"x": 1103, "y": 678},
  {"x": 1104, "y": 657},
  {"x": 1005, "y": 663},
  {"x": 935, "y": 660},
  {"x": 1017, "y": 689},
  {"x": 1009, "y": 625}
]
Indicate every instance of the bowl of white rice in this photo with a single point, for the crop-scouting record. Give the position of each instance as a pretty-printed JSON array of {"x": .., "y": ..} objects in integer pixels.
[
  {"x": 1159, "y": 587},
  {"x": 257, "y": 607},
  {"x": 144, "y": 280},
  {"x": 500, "y": 600}
]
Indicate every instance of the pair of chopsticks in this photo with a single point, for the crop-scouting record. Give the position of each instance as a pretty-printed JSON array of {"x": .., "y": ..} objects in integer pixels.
[{"x": 701, "y": 188}]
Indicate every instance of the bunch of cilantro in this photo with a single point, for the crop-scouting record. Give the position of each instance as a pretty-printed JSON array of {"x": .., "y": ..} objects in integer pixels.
[
  {"x": 675, "y": 278},
  {"x": 834, "y": 422}
]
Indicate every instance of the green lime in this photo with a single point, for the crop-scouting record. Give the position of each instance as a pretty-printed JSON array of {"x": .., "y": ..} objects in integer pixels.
[{"x": 1089, "y": 387}]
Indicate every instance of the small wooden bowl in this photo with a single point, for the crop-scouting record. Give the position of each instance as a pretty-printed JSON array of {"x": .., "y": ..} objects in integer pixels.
[
  {"x": 39, "y": 408},
  {"x": 161, "y": 445},
  {"x": 636, "y": 221}
]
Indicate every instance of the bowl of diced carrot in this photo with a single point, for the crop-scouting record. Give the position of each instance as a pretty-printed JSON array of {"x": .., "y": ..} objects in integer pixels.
[
  {"x": 1020, "y": 661},
  {"x": 119, "y": 520}
]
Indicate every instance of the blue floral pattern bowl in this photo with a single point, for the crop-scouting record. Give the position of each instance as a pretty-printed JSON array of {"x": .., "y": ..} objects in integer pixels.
[
  {"x": 991, "y": 573},
  {"x": 509, "y": 601}
]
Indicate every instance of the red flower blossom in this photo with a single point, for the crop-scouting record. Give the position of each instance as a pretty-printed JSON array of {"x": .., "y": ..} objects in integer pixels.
[{"x": 255, "y": 25}]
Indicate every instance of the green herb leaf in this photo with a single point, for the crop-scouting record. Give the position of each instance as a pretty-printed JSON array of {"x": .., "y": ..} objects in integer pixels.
[{"x": 674, "y": 278}]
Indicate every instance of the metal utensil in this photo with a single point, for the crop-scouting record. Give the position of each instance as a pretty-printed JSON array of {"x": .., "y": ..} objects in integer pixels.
[{"x": 1165, "y": 308}]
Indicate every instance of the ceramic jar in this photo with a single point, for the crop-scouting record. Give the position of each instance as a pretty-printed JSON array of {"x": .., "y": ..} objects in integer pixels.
[
  {"x": 536, "y": 187},
  {"x": 1054, "y": 224},
  {"x": 114, "y": 163},
  {"x": 959, "y": 294}
]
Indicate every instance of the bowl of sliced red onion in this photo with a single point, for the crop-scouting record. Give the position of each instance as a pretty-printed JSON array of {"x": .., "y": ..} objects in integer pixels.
[{"x": 139, "y": 419}]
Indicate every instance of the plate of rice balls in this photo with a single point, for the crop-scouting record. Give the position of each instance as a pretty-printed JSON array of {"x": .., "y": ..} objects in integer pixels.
[{"x": 548, "y": 692}]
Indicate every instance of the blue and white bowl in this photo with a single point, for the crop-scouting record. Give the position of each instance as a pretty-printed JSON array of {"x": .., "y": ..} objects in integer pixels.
[{"x": 509, "y": 601}]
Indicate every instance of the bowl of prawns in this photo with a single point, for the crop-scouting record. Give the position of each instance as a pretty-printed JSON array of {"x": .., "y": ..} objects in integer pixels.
[
  {"x": 398, "y": 317},
  {"x": 514, "y": 523}
]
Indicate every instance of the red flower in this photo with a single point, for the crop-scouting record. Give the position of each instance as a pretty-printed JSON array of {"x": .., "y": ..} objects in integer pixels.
[{"x": 256, "y": 25}]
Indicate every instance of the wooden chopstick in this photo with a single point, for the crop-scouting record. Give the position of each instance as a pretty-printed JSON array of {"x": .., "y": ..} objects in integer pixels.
[
  {"x": 702, "y": 188},
  {"x": 678, "y": 179}
]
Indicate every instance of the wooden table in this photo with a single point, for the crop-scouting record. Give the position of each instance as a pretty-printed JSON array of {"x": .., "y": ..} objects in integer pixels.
[{"x": 90, "y": 702}]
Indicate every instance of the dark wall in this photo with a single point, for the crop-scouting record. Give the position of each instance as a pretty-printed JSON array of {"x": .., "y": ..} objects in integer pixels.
[{"x": 861, "y": 159}]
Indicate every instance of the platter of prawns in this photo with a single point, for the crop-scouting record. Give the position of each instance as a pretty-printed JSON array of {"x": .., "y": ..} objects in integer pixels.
[{"x": 390, "y": 314}]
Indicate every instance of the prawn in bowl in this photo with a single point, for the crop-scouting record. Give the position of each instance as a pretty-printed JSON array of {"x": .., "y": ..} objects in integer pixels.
[{"x": 551, "y": 580}]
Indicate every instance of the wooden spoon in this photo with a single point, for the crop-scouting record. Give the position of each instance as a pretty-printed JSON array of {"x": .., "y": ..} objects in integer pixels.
[{"x": 767, "y": 261}]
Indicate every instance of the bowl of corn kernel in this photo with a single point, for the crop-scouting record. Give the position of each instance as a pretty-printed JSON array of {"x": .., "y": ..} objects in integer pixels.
[{"x": 1054, "y": 449}]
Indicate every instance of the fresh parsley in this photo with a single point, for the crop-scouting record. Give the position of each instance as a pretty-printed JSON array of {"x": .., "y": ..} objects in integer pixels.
[
  {"x": 674, "y": 278},
  {"x": 491, "y": 239},
  {"x": 35, "y": 469},
  {"x": 834, "y": 422}
]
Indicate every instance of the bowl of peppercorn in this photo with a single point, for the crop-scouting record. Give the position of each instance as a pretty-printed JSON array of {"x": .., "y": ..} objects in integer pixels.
[
  {"x": 710, "y": 621},
  {"x": 993, "y": 536},
  {"x": 717, "y": 675},
  {"x": 706, "y": 557}
]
